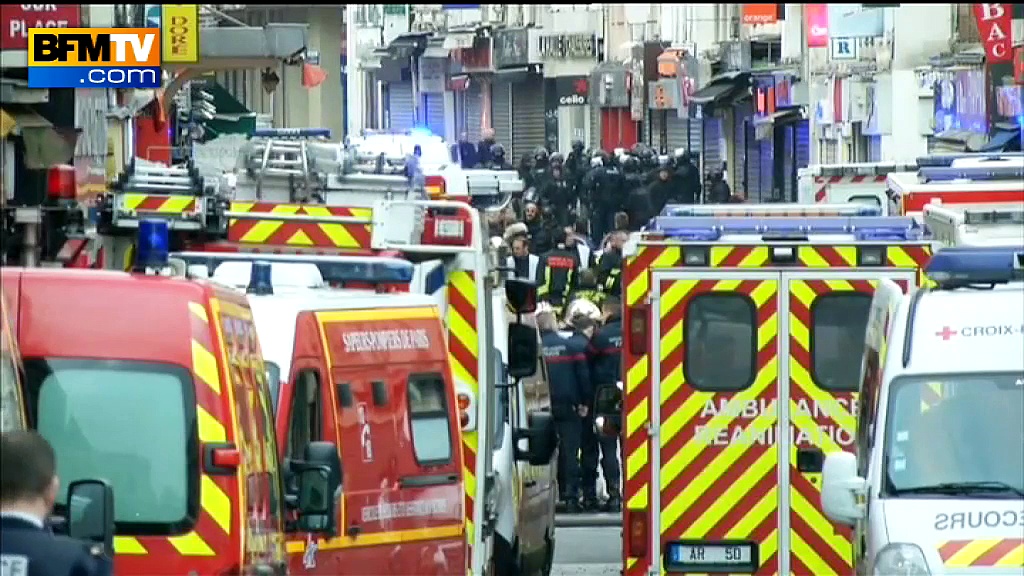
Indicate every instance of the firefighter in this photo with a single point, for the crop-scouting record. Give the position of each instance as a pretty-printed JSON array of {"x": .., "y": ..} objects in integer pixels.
[
  {"x": 638, "y": 205},
  {"x": 583, "y": 325},
  {"x": 557, "y": 193},
  {"x": 569, "y": 378},
  {"x": 587, "y": 289},
  {"x": 609, "y": 268},
  {"x": 28, "y": 546},
  {"x": 606, "y": 357},
  {"x": 559, "y": 269}
]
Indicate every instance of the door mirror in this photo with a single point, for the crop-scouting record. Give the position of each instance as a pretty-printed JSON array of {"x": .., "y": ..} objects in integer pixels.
[
  {"x": 521, "y": 295},
  {"x": 536, "y": 444},
  {"x": 319, "y": 483},
  {"x": 91, "y": 513},
  {"x": 523, "y": 349},
  {"x": 841, "y": 489}
]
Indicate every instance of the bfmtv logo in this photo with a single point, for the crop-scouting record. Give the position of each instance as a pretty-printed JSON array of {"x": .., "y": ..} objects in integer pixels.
[{"x": 82, "y": 46}]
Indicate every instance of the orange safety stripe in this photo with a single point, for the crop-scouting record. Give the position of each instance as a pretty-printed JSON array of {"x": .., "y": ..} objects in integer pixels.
[
  {"x": 159, "y": 204},
  {"x": 996, "y": 552},
  {"x": 300, "y": 234}
]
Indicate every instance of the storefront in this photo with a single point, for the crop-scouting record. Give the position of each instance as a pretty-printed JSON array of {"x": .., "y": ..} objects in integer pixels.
[
  {"x": 1005, "y": 111},
  {"x": 961, "y": 119},
  {"x": 568, "y": 59},
  {"x": 432, "y": 82},
  {"x": 725, "y": 111},
  {"x": 399, "y": 72},
  {"x": 611, "y": 92},
  {"x": 471, "y": 72},
  {"x": 673, "y": 123},
  {"x": 780, "y": 143},
  {"x": 518, "y": 94}
]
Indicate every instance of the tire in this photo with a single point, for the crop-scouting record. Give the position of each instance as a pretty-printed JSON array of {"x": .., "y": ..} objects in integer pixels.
[{"x": 505, "y": 561}]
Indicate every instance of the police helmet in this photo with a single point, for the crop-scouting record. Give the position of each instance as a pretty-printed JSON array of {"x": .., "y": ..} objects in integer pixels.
[
  {"x": 497, "y": 151},
  {"x": 557, "y": 159},
  {"x": 630, "y": 164},
  {"x": 540, "y": 153},
  {"x": 577, "y": 146}
]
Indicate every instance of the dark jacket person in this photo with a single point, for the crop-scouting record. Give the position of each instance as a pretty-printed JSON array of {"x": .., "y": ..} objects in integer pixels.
[{"x": 28, "y": 490}]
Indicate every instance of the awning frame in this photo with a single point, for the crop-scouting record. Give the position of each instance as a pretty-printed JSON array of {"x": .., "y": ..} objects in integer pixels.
[{"x": 720, "y": 88}]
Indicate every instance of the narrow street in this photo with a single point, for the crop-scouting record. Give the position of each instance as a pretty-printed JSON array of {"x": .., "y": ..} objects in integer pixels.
[{"x": 588, "y": 550}]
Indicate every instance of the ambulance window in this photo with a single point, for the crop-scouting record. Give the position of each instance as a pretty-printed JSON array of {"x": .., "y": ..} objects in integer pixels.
[
  {"x": 305, "y": 422},
  {"x": 428, "y": 417},
  {"x": 867, "y": 200},
  {"x": 838, "y": 325},
  {"x": 721, "y": 337},
  {"x": 273, "y": 382}
]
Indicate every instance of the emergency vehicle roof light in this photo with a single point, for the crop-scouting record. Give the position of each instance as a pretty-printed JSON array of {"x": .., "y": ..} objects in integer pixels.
[
  {"x": 152, "y": 245},
  {"x": 260, "y": 279},
  {"x": 946, "y": 160},
  {"x": 292, "y": 133},
  {"x": 383, "y": 271},
  {"x": 772, "y": 210},
  {"x": 862, "y": 228},
  {"x": 966, "y": 265},
  {"x": 974, "y": 173}
]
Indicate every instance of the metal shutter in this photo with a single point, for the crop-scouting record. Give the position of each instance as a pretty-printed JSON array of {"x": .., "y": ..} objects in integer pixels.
[
  {"x": 696, "y": 139},
  {"x": 654, "y": 129},
  {"x": 501, "y": 118},
  {"x": 678, "y": 132},
  {"x": 473, "y": 97},
  {"x": 766, "y": 178},
  {"x": 738, "y": 164},
  {"x": 803, "y": 144},
  {"x": 789, "y": 158},
  {"x": 874, "y": 148},
  {"x": 400, "y": 110},
  {"x": 528, "y": 115},
  {"x": 594, "y": 138},
  {"x": 434, "y": 104},
  {"x": 752, "y": 159},
  {"x": 711, "y": 145}
]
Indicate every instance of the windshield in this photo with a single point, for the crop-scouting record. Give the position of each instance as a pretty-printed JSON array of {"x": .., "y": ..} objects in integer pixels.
[
  {"x": 130, "y": 423},
  {"x": 273, "y": 382},
  {"x": 951, "y": 430}
]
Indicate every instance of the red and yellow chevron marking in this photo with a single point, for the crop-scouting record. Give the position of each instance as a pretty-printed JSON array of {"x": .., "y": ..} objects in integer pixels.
[
  {"x": 213, "y": 534},
  {"x": 464, "y": 350},
  {"x": 300, "y": 234},
  {"x": 817, "y": 546},
  {"x": 1000, "y": 552},
  {"x": 718, "y": 466},
  {"x": 158, "y": 204}
]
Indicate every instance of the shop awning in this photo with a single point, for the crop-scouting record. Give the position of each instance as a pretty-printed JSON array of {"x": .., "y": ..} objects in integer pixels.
[
  {"x": 1003, "y": 141},
  {"x": 513, "y": 75},
  {"x": 408, "y": 45},
  {"x": 721, "y": 87},
  {"x": 780, "y": 117},
  {"x": 435, "y": 50}
]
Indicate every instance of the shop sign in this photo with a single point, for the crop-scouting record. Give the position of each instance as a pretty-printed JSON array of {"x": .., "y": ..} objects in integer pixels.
[
  {"x": 433, "y": 74},
  {"x": 578, "y": 46},
  {"x": 18, "y": 18},
  {"x": 475, "y": 59},
  {"x": 760, "y": 13},
  {"x": 511, "y": 48},
  {"x": 1018, "y": 64},
  {"x": 994, "y": 24},
  {"x": 572, "y": 90},
  {"x": 764, "y": 97},
  {"x": 816, "y": 16}
]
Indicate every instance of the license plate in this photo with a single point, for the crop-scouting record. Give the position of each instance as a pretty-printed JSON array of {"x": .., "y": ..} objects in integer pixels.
[
  {"x": 712, "y": 557},
  {"x": 448, "y": 228}
]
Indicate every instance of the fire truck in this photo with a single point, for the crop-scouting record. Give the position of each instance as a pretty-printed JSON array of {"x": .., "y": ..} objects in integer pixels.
[
  {"x": 975, "y": 224},
  {"x": 978, "y": 183},
  {"x": 745, "y": 327},
  {"x": 299, "y": 199},
  {"x": 866, "y": 182}
]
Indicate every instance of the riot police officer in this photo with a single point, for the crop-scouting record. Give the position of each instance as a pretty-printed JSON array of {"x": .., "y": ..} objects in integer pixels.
[
  {"x": 497, "y": 161},
  {"x": 606, "y": 197},
  {"x": 28, "y": 547},
  {"x": 637, "y": 202},
  {"x": 539, "y": 173},
  {"x": 557, "y": 194}
]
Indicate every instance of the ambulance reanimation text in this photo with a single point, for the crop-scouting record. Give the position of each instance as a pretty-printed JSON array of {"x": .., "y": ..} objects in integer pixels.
[{"x": 803, "y": 430}]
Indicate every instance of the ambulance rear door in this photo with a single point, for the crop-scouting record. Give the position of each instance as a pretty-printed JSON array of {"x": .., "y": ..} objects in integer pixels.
[
  {"x": 823, "y": 317},
  {"x": 734, "y": 495}
]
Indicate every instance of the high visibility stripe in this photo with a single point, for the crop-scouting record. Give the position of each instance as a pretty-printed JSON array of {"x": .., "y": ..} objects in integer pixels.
[
  {"x": 175, "y": 204},
  {"x": 713, "y": 485},
  {"x": 1001, "y": 553},
  {"x": 463, "y": 350},
  {"x": 300, "y": 234}
]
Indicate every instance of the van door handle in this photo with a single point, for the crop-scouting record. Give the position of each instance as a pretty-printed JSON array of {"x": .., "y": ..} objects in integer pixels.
[{"x": 427, "y": 480}]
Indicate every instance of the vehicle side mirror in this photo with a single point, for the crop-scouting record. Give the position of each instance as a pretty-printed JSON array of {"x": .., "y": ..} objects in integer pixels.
[
  {"x": 842, "y": 489},
  {"x": 521, "y": 295},
  {"x": 90, "y": 515},
  {"x": 319, "y": 481},
  {"x": 522, "y": 350},
  {"x": 536, "y": 444}
]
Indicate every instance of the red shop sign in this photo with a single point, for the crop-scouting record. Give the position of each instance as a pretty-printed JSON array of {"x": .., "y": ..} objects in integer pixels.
[{"x": 16, "y": 19}]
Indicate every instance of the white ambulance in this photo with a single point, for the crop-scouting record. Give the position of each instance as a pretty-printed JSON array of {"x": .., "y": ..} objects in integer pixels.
[
  {"x": 936, "y": 486},
  {"x": 975, "y": 224}
]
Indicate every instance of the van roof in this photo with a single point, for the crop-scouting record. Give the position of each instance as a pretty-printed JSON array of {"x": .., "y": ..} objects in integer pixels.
[
  {"x": 969, "y": 331},
  {"x": 275, "y": 315}
]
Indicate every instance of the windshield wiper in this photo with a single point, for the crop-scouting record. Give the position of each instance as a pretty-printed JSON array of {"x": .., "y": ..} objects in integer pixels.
[{"x": 963, "y": 488}]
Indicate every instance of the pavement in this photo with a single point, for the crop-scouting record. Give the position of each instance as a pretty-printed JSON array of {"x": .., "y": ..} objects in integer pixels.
[{"x": 588, "y": 550}]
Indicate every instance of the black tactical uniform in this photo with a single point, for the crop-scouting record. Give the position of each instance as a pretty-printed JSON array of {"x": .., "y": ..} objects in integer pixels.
[
  {"x": 638, "y": 201},
  {"x": 31, "y": 549}
]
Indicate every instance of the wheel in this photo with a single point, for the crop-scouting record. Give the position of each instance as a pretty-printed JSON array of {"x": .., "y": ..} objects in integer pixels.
[{"x": 505, "y": 561}]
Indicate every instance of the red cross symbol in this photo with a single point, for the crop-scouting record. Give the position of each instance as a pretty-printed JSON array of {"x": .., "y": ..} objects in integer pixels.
[{"x": 946, "y": 333}]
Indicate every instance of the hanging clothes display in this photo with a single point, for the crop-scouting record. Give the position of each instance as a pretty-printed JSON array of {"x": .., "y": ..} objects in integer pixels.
[
  {"x": 401, "y": 114},
  {"x": 501, "y": 117},
  {"x": 434, "y": 113},
  {"x": 527, "y": 115},
  {"x": 474, "y": 107}
]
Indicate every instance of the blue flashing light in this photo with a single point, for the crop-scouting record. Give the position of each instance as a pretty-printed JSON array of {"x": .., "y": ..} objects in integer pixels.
[
  {"x": 771, "y": 210},
  {"x": 962, "y": 266},
  {"x": 367, "y": 271},
  {"x": 422, "y": 132},
  {"x": 292, "y": 133},
  {"x": 153, "y": 244},
  {"x": 863, "y": 228},
  {"x": 974, "y": 173},
  {"x": 260, "y": 283}
]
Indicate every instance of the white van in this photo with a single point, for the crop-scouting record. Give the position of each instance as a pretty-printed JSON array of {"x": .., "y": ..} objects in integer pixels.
[{"x": 937, "y": 483}]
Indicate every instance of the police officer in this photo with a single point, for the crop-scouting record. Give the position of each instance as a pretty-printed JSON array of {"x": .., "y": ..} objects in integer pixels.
[
  {"x": 559, "y": 269},
  {"x": 607, "y": 197},
  {"x": 498, "y": 161},
  {"x": 557, "y": 194},
  {"x": 609, "y": 268},
  {"x": 576, "y": 165},
  {"x": 569, "y": 379},
  {"x": 688, "y": 177},
  {"x": 606, "y": 361},
  {"x": 638, "y": 200},
  {"x": 541, "y": 162},
  {"x": 28, "y": 490}
]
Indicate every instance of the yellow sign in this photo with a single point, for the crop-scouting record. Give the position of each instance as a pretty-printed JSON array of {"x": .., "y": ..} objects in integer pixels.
[{"x": 179, "y": 33}]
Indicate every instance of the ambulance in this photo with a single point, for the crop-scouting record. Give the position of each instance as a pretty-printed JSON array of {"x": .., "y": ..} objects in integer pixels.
[
  {"x": 156, "y": 384},
  {"x": 1000, "y": 183},
  {"x": 935, "y": 482},
  {"x": 739, "y": 367},
  {"x": 975, "y": 224},
  {"x": 860, "y": 182}
]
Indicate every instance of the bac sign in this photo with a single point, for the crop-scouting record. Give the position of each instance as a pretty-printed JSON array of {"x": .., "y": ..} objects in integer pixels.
[
  {"x": 94, "y": 58},
  {"x": 16, "y": 19}
]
